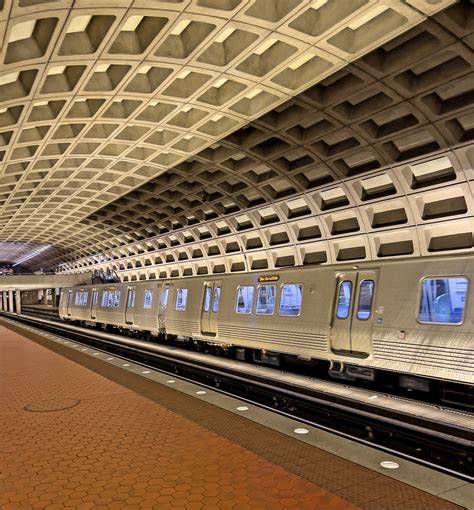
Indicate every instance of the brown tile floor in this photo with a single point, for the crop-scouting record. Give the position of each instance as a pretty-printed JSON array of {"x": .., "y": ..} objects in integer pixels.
[
  {"x": 113, "y": 448},
  {"x": 117, "y": 449}
]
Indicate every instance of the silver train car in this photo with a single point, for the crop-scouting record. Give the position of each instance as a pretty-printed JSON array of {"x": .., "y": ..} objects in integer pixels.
[{"x": 410, "y": 322}]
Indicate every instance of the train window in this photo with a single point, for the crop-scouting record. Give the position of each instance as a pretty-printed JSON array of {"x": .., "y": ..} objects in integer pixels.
[
  {"x": 105, "y": 297},
  {"x": 181, "y": 298},
  {"x": 76, "y": 298},
  {"x": 344, "y": 300},
  {"x": 244, "y": 299},
  {"x": 148, "y": 299},
  {"x": 207, "y": 299},
  {"x": 290, "y": 299},
  {"x": 366, "y": 295},
  {"x": 164, "y": 297},
  {"x": 116, "y": 298},
  {"x": 85, "y": 298},
  {"x": 110, "y": 299},
  {"x": 266, "y": 295},
  {"x": 95, "y": 296},
  {"x": 443, "y": 300},
  {"x": 217, "y": 297}
]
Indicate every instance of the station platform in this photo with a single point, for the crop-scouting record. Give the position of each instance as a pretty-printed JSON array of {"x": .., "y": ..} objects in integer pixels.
[{"x": 81, "y": 431}]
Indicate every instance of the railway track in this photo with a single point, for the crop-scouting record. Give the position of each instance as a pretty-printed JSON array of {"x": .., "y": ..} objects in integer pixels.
[
  {"x": 442, "y": 438},
  {"x": 45, "y": 312}
]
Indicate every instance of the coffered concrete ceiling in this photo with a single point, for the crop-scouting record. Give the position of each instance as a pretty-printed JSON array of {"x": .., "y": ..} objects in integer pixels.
[{"x": 192, "y": 137}]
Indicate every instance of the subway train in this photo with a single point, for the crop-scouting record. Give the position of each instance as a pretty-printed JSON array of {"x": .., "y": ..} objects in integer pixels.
[{"x": 407, "y": 324}]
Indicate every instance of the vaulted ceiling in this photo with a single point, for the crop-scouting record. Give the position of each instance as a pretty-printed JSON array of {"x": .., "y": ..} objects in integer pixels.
[{"x": 191, "y": 137}]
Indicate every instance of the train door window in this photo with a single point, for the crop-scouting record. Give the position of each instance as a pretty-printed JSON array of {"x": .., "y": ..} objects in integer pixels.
[
  {"x": 366, "y": 295},
  {"x": 116, "y": 298},
  {"x": 207, "y": 299},
  {"x": 164, "y": 297},
  {"x": 76, "y": 298},
  {"x": 131, "y": 298},
  {"x": 443, "y": 300},
  {"x": 110, "y": 299},
  {"x": 244, "y": 299},
  {"x": 105, "y": 297},
  {"x": 148, "y": 299},
  {"x": 86, "y": 297},
  {"x": 290, "y": 299},
  {"x": 266, "y": 295},
  {"x": 344, "y": 300},
  {"x": 181, "y": 299},
  {"x": 217, "y": 297},
  {"x": 95, "y": 296}
]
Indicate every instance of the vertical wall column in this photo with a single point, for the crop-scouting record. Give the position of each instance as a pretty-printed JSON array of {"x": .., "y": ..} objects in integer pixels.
[
  {"x": 5, "y": 302},
  {"x": 45, "y": 297},
  {"x": 1, "y": 302},
  {"x": 18, "y": 301},
  {"x": 11, "y": 303}
]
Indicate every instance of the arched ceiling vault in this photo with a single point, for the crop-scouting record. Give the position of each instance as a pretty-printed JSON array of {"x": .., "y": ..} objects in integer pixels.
[{"x": 192, "y": 137}]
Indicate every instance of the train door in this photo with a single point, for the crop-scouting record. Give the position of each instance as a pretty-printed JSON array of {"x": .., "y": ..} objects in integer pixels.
[
  {"x": 164, "y": 298},
  {"x": 70, "y": 298},
  {"x": 130, "y": 306},
  {"x": 94, "y": 299},
  {"x": 351, "y": 326},
  {"x": 210, "y": 307}
]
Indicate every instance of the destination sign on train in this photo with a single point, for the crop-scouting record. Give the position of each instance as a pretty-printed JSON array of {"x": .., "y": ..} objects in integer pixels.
[{"x": 268, "y": 278}]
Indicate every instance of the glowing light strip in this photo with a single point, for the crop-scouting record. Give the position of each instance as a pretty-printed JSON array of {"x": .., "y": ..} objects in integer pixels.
[{"x": 31, "y": 255}]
